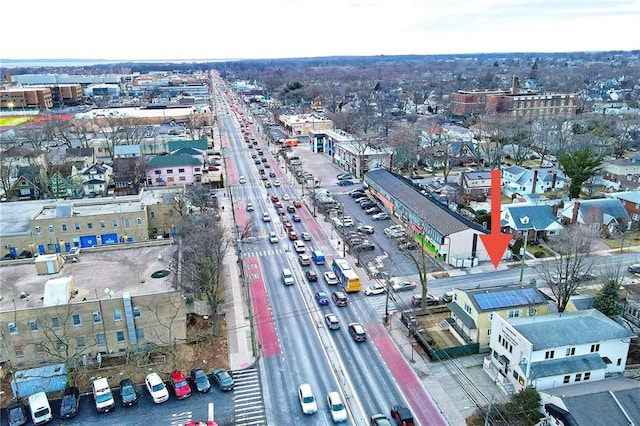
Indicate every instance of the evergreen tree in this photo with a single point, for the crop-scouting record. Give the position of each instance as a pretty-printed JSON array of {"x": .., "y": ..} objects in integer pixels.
[
  {"x": 580, "y": 166},
  {"x": 608, "y": 299}
]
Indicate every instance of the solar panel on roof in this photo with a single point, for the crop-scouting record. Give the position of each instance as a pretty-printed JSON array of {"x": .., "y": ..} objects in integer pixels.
[{"x": 507, "y": 298}]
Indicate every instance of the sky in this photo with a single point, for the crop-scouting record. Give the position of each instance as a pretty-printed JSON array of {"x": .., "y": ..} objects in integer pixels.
[{"x": 187, "y": 30}]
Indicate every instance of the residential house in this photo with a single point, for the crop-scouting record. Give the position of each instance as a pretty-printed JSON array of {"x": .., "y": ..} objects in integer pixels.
[
  {"x": 126, "y": 151},
  {"x": 27, "y": 185},
  {"x": 15, "y": 161},
  {"x": 87, "y": 156},
  {"x": 358, "y": 157},
  {"x": 169, "y": 170},
  {"x": 600, "y": 214},
  {"x": 529, "y": 221},
  {"x": 473, "y": 310},
  {"x": 631, "y": 310},
  {"x": 631, "y": 202},
  {"x": 96, "y": 179},
  {"x": 545, "y": 351},
  {"x": 517, "y": 180},
  {"x": 622, "y": 173},
  {"x": 301, "y": 124},
  {"x": 447, "y": 234},
  {"x": 65, "y": 180},
  {"x": 475, "y": 185},
  {"x": 128, "y": 175},
  {"x": 195, "y": 153}
]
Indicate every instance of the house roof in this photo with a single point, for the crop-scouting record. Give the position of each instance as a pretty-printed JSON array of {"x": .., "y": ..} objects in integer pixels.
[
  {"x": 200, "y": 144},
  {"x": 460, "y": 313},
  {"x": 599, "y": 210},
  {"x": 498, "y": 298},
  {"x": 79, "y": 152},
  {"x": 173, "y": 160},
  {"x": 187, "y": 151},
  {"x": 478, "y": 175},
  {"x": 630, "y": 196},
  {"x": 566, "y": 365},
  {"x": 568, "y": 329},
  {"x": 439, "y": 216},
  {"x": 126, "y": 149},
  {"x": 530, "y": 216}
]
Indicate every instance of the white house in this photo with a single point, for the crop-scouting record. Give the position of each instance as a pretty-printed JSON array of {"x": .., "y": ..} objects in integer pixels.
[
  {"x": 517, "y": 180},
  {"x": 552, "y": 350}
]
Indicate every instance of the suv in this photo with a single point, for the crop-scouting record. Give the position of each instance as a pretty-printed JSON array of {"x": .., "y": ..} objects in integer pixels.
[
  {"x": 402, "y": 415},
  {"x": 380, "y": 420},
  {"x": 156, "y": 388},
  {"x": 357, "y": 332},
  {"x": 340, "y": 299},
  {"x": 199, "y": 377},
  {"x": 180, "y": 385},
  {"x": 103, "y": 396}
]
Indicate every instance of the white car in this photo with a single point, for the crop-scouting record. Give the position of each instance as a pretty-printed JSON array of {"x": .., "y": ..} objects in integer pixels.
[
  {"x": 330, "y": 278},
  {"x": 299, "y": 246},
  {"x": 156, "y": 388},
  {"x": 266, "y": 217},
  {"x": 273, "y": 237},
  {"x": 242, "y": 180},
  {"x": 376, "y": 288},
  {"x": 380, "y": 216},
  {"x": 276, "y": 182},
  {"x": 307, "y": 400},
  {"x": 403, "y": 285},
  {"x": 336, "y": 407},
  {"x": 306, "y": 236},
  {"x": 286, "y": 197}
]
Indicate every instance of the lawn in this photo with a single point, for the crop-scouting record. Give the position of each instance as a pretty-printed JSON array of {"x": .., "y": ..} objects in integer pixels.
[{"x": 15, "y": 121}]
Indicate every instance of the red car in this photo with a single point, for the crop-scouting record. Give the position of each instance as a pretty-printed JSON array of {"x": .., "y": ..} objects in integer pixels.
[
  {"x": 180, "y": 385},
  {"x": 293, "y": 235},
  {"x": 275, "y": 198},
  {"x": 297, "y": 203}
]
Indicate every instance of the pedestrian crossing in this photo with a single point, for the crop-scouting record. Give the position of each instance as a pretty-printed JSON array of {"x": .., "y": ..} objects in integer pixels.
[{"x": 248, "y": 401}]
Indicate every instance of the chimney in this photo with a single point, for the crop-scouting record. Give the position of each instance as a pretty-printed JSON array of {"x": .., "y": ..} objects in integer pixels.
[
  {"x": 515, "y": 88},
  {"x": 535, "y": 181},
  {"x": 574, "y": 215}
]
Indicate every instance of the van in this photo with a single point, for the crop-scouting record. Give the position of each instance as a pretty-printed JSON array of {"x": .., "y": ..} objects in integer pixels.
[
  {"x": 40, "y": 408},
  {"x": 287, "y": 276},
  {"x": 103, "y": 396},
  {"x": 318, "y": 257}
]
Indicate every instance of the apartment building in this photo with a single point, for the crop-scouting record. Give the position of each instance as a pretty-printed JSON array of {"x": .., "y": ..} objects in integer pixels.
[{"x": 26, "y": 97}]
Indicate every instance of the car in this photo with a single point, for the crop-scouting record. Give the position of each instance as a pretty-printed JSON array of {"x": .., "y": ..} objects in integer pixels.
[
  {"x": 299, "y": 246},
  {"x": 343, "y": 176},
  {"x": 16, "y": 413},
  {"x": 223, "y": 379},
  {"x": 340, "y": 299},
  {"x": 379, "y": 420},
  {"x": 336, "y": 407},
  {"x": 373, "y": 210},
  {"x": 330, "y": 278},
  {"x": 288, "y": 226},
  {"x": 291, "y": 208},
  {"x": 267, "y": 184},
  {"x": 306, "y": 236},
  {"x": 357, "y": 332},
  {"x": 297, "y": 203},
  {"x": 585, "y": 276},
  {"x": 332, "y": 321},
  {"x": 102, "y": 395},
  {"x": 293, "y": 235},
  {"x": 254, "y": 156},
  {"x": 287, "y": 276},
  {"x": 355, "y": 240},
  {"x": 375, "y": 288},
  {"x": 277, "y": 205},
  {"x": 312, "y": 275},
  {"x": 295, "y": 217},
  {"x": 322, "y": 298},
  {"x": 403, "y": 285},
  {"x": 366, "y": 229},
  {"x": 634, "y": 269},
  {"x": 273, "y": 238},
  {"x": 357, "y": 194},
  {"x": 9, "y": 256},
  {"x": 408, "y": 245},
  {"x": 156, "y": 388},
  {"x": 264, "y": 160},
  {"x": 180, "y": 385},
  {"x": 266, "y": 217},
  {"x": 364, "y": 246},
  {"x": 286, "y": 197},
  {"x": 128, "y": 394},
  {"x": 200, "y": 379},
  {"x": 249, "y": 207},
  {"x": 213, "y": 168},
  {"x": 307, "y": 400},
  {"x": 275, "y": 182},
  {"x": 242, "y": 180},
  {"x": 201, "y": 423},
  {"x": 367, "y": 205},
  {"x": 345, "y": 182},
  {"x": 361, "y": 199},
  {"x": 70, "y": 402},
  {"x": 273, "y": 174},
  {"x": 275, "y": 198},
  {"x": 25, "y": 254},
  {"x": 447, "y": 297},
  {"x": 256, "y": 161},
  {"x": 304, "y": 259},
  {"x": 402, "y": 415},
  {"x": 416, "y": 300}
]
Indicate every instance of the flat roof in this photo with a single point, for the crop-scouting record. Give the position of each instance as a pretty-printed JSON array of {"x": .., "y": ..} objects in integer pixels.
[{"x": 97, "y": 274}]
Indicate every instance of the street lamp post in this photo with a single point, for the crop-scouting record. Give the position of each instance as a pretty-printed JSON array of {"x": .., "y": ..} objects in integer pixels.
[{"x": 522, "y": 255}]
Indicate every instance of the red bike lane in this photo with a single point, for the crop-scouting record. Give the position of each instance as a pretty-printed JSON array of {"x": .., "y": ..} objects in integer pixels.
[{"x": 262, "y": 315}]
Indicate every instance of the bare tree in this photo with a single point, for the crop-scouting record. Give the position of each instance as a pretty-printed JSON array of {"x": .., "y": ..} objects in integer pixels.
[
  {"x": 571, "y": 249},
  {"x": 195, "y": 124},
  {"x": 420, "y": 258},
  {"x": 166, "y": 314},
  {"x": 83, "y": 130},
  {"x": 406, "y": 147},
  {"x": 118, "y": 129}
]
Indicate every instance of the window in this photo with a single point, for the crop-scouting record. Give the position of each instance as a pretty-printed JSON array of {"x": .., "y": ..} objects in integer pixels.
[
  {"x": 97, "y": 318},
  {"x": 170, "y": 179},
  {"x": 140, "y": 333},
  {"x": 127, "y": 222},
  {"x": 52, "y": 229},
  {"x": 180, "y": 170},
  {"x": 595, "y": 347},
  {"x": 50, "y": 247},
  {"x": 77, "y": 226},
  {"x": 100, "y": 340},
  {"x": 33, "y": 325},
  {"x": 139, "y": 220},
  {"x": 549, "y": 354},
  {"x": 169, "y": 171},
  {"x": 513, "y": 314},
  {"x": 619, "y": 363},
  {"x": 64, "y": 227},
  {"x": 157, "y": 172},
  {"x": 89, "y": 225},
  {"x": 159, "y": 180},
  {"x": 102, "y": 224},
  {"x": 587, "y": 375},
  {"x": 114, "y": 223},
  {"x": 13, "y": 329},
  {"x": 578, "y": 377},
  {"x": 571, "y": 351},
  {"x": 566, "y": 379},
  {"x": 137, "y": 312},
  {"x": 59, "y": 345},
  {"x": 152, "y": 214},
  {"x": 38, "y": 230},
  {"x": 19, "y": 350},
  {"x": 120, "y": 336},
  {"x": 80, "y": 342},
  {"x": 55, "y": 323},
  {"x": 182, "y": 178},
  {"x": 117, "y": 315},
  {"x": 76, "y": 320}
]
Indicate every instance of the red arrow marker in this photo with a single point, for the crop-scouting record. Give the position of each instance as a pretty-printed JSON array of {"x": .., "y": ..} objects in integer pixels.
[{"x": 495, "y": 242}]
